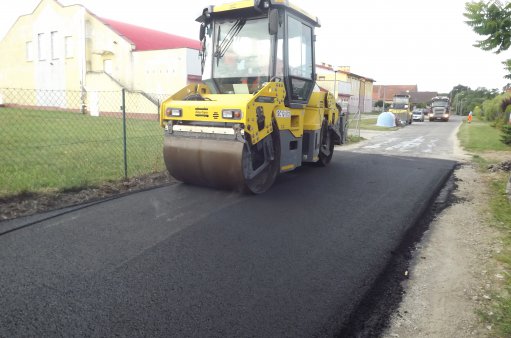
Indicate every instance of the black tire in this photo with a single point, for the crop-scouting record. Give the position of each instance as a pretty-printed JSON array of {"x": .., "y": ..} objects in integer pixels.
[
  {"x": 265, "y": 179},
  {"x": 326, "y": 146}
]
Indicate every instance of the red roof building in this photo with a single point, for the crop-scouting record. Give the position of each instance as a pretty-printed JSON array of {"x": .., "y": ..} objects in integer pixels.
[{"x": 148, "y": 39}]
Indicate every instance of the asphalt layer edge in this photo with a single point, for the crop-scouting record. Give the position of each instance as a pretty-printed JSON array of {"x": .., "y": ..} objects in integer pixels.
[
  {"x": 373, "y": 313},
  {"x": 30, "y": 220}
]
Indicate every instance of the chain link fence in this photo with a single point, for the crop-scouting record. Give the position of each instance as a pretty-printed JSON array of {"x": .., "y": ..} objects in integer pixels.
[{"x": 65, "y": 139}]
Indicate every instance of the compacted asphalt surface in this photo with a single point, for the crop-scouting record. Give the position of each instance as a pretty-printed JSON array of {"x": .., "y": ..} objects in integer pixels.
[{"x": 190, "y": 261}]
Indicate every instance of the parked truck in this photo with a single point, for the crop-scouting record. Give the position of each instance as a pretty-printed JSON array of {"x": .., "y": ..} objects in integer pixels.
[{"x": 440, "y": 109}]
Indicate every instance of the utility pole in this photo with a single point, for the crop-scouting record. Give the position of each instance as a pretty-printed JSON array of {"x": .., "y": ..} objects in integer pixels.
[{"x": 383, "y": 100}]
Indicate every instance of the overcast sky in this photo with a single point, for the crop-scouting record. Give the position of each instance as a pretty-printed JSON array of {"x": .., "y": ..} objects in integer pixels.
[{"x": 393, "y": 42}]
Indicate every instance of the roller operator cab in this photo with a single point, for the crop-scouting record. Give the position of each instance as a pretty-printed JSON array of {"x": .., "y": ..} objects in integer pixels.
[
  {"x": 400, "y": 107},
  {"x": 257, "y": 111}
]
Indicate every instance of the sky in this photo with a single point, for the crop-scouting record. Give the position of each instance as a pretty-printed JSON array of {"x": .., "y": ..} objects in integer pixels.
[{"x": 394, "y": 42}]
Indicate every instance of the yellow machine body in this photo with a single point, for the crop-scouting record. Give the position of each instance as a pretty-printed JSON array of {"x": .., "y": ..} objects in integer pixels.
[
  {"x": 242, "y": 137},
  {"x": 400, "y": 107}
]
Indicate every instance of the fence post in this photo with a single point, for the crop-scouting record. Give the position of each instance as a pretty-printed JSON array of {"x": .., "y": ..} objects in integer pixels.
[{"x": 124, "y": 133}]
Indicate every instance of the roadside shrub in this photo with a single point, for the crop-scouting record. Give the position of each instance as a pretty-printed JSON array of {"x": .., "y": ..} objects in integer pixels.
[
  {"x": 506, "y": 134},
  {"x": 478, "y": 112},
  {"x": 507, "y": 115},
  {"x": 494, "y": 108},
  {"x": 506, "y": 103}
]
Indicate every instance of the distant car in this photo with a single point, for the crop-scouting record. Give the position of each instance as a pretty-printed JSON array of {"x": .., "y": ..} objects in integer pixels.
[{"x": 418, "y": 115}]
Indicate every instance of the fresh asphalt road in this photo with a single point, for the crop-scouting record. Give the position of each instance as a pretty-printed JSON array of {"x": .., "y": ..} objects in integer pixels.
[{"x": 190, "y": 261}]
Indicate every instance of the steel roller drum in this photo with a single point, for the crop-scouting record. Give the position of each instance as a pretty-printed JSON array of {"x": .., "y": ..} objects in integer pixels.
[{"x": 208, "y": 162}]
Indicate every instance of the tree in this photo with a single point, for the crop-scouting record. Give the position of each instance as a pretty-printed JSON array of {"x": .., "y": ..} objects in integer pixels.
[
  {"x": 457, "y": 89},
  {"x": 465, "y": 99},
  {"x": 493, "y": 21},
  {"x": 378, "y": 103},
  {"x": 507, "y": 67}
]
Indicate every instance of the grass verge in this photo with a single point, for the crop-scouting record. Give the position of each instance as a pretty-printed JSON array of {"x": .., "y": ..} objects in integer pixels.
[
  {"x": 354, "y": 139},
  {"x": 480, "y": 138},
  {"x": 498, "y": 313}
]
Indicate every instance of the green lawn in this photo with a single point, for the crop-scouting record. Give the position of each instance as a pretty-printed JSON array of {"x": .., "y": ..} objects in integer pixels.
[
  {"x": 480, "y": 136},
  {"x": 43, "y": 149}
]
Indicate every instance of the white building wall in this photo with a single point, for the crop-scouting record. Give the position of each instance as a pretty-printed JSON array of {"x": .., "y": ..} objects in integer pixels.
[
  {"x": 49, "y": 70},
  {"x": 344, "y": 88},
  {"x": 193, "y": 66},
  {"x": 354, "y": 101},
  {"x": 164, "y": 71}
]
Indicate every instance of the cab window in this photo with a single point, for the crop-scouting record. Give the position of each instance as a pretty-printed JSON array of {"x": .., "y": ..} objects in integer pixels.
[{"x": 300, "y": 60}]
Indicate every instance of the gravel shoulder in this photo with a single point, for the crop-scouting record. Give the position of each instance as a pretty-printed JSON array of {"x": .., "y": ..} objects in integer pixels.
[{"x": 453, "y": 273}]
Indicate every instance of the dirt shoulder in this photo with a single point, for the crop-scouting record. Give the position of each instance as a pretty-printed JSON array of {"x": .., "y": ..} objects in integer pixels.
[{"x": 454, "y": 272}]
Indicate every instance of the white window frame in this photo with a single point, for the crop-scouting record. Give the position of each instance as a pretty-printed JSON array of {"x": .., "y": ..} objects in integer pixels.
[
  {"x": 55, "y": 51},
  {"x": 41, "y": 47}
]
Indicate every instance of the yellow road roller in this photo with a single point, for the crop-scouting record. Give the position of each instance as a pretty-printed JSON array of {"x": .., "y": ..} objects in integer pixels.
[{"x": 257, "y": 111}]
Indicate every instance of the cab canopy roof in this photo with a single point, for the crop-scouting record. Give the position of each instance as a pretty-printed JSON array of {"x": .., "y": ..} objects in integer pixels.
[{"x": 248, "y": 8}]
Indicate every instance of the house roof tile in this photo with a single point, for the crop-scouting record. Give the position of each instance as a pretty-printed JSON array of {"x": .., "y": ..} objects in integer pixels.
[
  {"x": 422, "y": 97},
  {"x": 148, "y": 39},
  {"x": 390, "y": 90}
]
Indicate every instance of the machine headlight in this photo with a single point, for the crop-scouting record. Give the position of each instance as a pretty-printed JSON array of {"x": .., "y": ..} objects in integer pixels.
[
  {"x": 231, "y": 114},
  {"x": 446, "y": 115},
  {"x": 174, "y": 112}
]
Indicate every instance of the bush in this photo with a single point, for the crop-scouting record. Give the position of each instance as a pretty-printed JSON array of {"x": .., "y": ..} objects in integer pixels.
[
  {"x": 493, "y": 108},
  {"x": 506, "y": 134},
  {"x": 478, "y": 112}
]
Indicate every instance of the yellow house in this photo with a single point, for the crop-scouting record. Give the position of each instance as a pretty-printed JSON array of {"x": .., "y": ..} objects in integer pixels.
[
  {"x": 67, "y": 49},
  {"x": 353, "y": 92}
]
